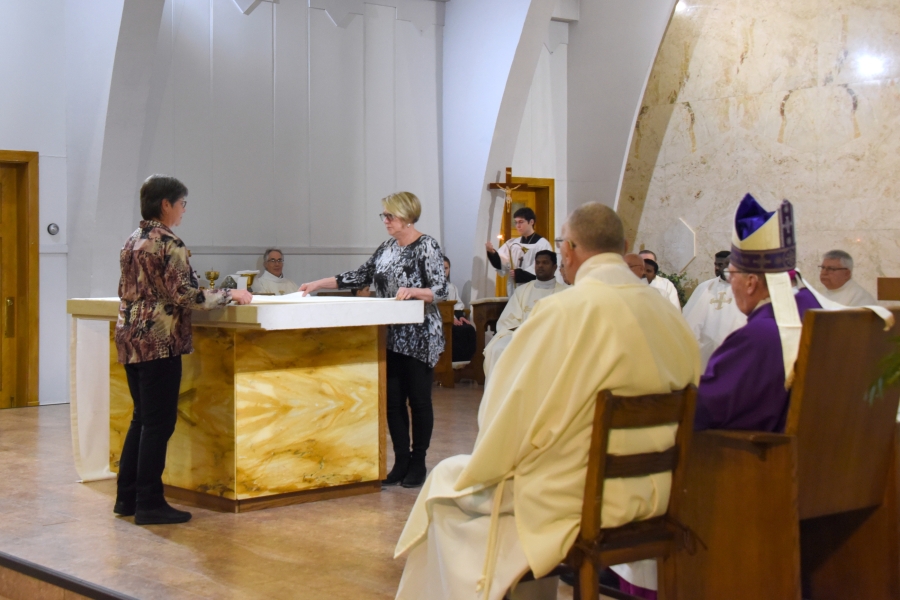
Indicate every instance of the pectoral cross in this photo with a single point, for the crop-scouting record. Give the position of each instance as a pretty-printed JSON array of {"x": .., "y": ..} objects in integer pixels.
[{"x": 720, "y": 300}]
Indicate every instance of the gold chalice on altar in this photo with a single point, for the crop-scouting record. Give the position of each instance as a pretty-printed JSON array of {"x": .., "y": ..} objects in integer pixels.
[
  {"x": 212, "y": 276},
  {"x": 250, "y": 277}
]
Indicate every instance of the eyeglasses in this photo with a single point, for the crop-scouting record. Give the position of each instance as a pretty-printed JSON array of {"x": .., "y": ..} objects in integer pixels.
[
  {"x": 386, "y": 217},
  {"x": 728, "y": 274},
  {"x": 560, "y": 240},
  {"x": 832, "y": 269},
  {"x": 275, "y": 260}
]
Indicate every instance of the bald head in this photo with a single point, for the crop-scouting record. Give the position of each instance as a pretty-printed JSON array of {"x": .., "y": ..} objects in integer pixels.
[
  {"x": 596, "y": 228},
  {"x": 635, "y": 263}
]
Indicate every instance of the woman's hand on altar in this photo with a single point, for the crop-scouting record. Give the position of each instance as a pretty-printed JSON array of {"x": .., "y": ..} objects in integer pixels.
[
  {"x": 241, "y": 296},
  {"x": 329, "y": 283},
  {"x": 424, "y": 294}
]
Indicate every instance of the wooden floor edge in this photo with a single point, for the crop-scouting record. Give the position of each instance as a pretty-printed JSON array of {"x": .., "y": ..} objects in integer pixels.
[
  {"x": 59, "y": 579},
  {"x": 219, "y": 504}
]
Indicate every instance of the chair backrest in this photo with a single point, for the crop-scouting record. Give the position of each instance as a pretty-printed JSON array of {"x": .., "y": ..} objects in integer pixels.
[
  {"x": 843, "y": 435},
  {"x": 620, "y": 412}
]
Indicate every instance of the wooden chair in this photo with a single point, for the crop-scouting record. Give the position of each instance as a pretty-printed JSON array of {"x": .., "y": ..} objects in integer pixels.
[
  {"x": 597, "y": 548},
  {"x": 485, "y": 314},
  {"x": 443, "y": 370},
  {"x": 813, "y": 509}
]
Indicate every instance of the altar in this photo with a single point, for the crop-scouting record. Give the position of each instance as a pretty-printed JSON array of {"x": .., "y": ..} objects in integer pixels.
[{"x": 281, "y": 402}]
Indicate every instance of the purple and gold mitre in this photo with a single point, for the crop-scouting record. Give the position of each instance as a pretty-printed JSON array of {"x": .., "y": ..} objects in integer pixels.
[{"x": 763, "y": 242}]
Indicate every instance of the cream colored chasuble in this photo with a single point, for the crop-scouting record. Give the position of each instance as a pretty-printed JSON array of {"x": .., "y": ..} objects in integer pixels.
[
  {"x": 517, "y": 310},
  {"x": 514, "y": 504},
  {"x": 267, "y": 283}
]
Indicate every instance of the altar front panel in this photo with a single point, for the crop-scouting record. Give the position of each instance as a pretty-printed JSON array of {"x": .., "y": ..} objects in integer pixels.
[{"x": 306, "y": 409}]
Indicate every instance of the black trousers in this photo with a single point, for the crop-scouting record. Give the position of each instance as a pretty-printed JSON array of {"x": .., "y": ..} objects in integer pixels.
[
  {"x": 409, "y": 381},
  {"x": 463, "y": 342},
  {"x": 154, "y": 389}
]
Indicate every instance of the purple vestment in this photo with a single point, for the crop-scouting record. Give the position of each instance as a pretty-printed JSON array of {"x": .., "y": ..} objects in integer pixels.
[{"x": 743, "y": 386}]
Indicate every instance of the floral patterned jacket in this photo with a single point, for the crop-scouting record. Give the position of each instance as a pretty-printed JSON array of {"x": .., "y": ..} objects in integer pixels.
[
  {"x": 418, "y": 265},
  {"x": 158, "y": 289}
]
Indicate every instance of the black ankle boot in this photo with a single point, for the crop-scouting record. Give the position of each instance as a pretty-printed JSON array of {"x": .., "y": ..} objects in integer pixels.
[
  {"x": 401, "y": 466},
  {"x": 416, "y": 474},
  {"x": 164, "y": 515},
  {"x": 124, "y": 508}
]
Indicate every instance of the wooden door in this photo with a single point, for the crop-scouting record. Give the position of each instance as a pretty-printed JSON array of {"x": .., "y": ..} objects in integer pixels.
[{"x": 9, "y": 260}]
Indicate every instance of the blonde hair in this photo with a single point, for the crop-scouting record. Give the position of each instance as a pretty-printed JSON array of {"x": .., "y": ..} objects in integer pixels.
[{"x": 404, "y": 205}]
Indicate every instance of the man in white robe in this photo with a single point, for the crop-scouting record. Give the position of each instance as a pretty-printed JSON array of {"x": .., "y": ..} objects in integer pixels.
[
  {"x": 516, "y": 257},
  {"x": 520, "y": 306},
  {"x": 711, "y": 311},
  {"x": 482, "y": 520},
  {"x": 660, "y": 284},
  {"x": 836, "y": 274},
  {"x": 272, "y": 280}
]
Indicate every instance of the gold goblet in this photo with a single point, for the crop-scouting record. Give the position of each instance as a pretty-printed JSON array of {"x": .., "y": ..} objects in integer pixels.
[{"x": 212, "y": 276}]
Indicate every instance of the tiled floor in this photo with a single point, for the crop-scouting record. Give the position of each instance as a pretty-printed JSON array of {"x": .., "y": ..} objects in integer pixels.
[{"x": 333, "y": 549}]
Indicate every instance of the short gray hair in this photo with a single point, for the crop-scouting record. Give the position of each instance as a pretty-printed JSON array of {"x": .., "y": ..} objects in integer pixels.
[
  {"x": 845, "y": 258},
  {"x": 597, "y": 228},
  {"x": 270, "y": 251}
]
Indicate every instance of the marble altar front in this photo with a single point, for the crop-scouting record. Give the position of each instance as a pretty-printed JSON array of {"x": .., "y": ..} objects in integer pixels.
[{"x": 268, "y": 413}]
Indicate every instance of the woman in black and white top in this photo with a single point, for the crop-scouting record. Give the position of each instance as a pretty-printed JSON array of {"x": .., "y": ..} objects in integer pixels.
[{"x": 409, "y": 266}]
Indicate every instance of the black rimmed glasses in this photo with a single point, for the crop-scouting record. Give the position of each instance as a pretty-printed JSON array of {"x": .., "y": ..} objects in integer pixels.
[
  {"x": 276, "y": 261},
  {"x": 386, "y": 217},
  {"x": 560, "y": 240}
]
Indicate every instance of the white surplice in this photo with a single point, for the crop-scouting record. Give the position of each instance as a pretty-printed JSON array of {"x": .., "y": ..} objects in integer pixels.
[
  {"x": 514, "y": 314},
  {"x": 667, "y": 289},
  {"x": 515, "y": 254},
  {"x": 267, "y": 283},
  {"x": 453, "y": 294},
  {"x": 850, "y": 294},
  {"x": 482, "y": 520},
  {"x": 712, "y": 314}
]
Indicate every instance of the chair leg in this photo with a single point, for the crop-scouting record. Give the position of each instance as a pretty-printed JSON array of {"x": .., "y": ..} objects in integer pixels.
[{"x": 587, "y": 584}]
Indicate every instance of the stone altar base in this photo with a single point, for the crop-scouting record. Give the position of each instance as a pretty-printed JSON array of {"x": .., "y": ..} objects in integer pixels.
[{"x": 269, "y": 418}]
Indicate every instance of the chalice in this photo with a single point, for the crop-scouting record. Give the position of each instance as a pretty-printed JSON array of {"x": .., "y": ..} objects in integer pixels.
[{"x": 212, "y": 276}]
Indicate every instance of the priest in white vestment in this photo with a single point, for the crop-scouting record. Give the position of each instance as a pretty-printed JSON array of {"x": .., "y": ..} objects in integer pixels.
[
  {"x": 520, "y": 306},
  {"x": 836, "y": 274},
  {"x": 483, "y": 520},
  {"x": 272, "y": 280},
  {"x": 711, "y": 311},
  {"x": 662, "y": 285}
]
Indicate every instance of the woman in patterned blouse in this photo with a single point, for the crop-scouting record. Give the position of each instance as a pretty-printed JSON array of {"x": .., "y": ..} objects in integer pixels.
[
  {"x": 409, "y": 266},
  {"x": 158, "y": 290}
]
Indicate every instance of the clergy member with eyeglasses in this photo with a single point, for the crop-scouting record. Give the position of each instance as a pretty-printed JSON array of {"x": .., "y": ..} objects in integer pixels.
[
  {"x": 272, "y": 280},
  {"x": 408, "y": 266}
]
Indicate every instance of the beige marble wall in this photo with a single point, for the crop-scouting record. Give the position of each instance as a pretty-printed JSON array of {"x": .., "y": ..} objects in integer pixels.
[{"x": 796, "y": 100}]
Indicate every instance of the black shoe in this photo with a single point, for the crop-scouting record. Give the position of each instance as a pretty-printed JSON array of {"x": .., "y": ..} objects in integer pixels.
[
  {"x": 415, "y": 477},
  {"x": 124, "y": 508},
  {"x": 163, "y": 515},
  {"x": 397, "y": 473}
]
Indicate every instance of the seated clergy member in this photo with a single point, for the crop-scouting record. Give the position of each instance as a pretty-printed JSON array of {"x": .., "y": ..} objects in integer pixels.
[
  {"x": 836, "y": 274},
  {"x": 636, "y": 264},
  {"x": 746, "y": 383},
  {"x": 272, "y": 280},
  {"x": 520, "y": 305},
  {"x": 514, "y": 504},
  {"x": 516, "y": 257},
  {"x": 463, "y": 330},
  {"x": 711, "y": 311},
  {"x": 662, "y": 285}
]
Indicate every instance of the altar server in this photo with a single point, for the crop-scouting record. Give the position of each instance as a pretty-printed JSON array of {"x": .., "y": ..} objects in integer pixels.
[
  {"x": 521, "y": 304},
  {"x": 159, "y": 290},
  {"x": 711, "y": 311},
  {"x": 836, "y": 274},
  {"x": 516, "y": 257},
  {"x": 660, "y": 284},
  {"x": 514, "y": 504},
  {"x": 272, "y": 280}
]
